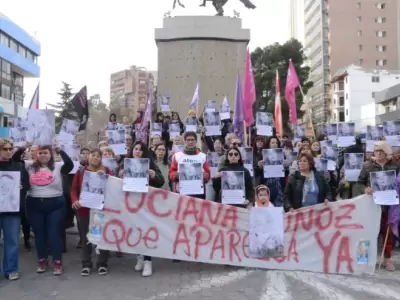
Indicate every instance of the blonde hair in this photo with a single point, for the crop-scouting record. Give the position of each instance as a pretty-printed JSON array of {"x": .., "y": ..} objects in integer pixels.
[
  {"x": 178, "y": 140},
  {"x": 108, "y": 150},
  {"x": 5, "y": 141},
  {"x": 102, "y": 144}
]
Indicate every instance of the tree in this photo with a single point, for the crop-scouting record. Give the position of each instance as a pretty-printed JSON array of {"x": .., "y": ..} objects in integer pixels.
[
  {"x": 64, "y": 108},
  {"x": 265, "y": 63}
]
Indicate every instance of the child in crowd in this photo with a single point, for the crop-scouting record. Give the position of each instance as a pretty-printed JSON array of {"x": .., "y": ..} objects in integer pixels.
[{"x": 263, "y": 196}]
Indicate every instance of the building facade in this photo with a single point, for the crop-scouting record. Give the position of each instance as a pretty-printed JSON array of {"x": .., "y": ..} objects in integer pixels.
[
  {"x": 347, "y": 32},
  {"x": 19, "y": 54},
  {"x": 296, "y": 20},
  {"x": 354, "y": 89},
  {"x": 387, "y": 104},
  {"x": 128, "y": 91}
]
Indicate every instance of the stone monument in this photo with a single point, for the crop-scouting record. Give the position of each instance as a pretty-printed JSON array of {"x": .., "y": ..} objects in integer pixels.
[{"x": 206, "y": 49}]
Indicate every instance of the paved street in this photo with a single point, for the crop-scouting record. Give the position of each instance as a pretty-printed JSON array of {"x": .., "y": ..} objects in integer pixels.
[{"x": 190, "y": 281}]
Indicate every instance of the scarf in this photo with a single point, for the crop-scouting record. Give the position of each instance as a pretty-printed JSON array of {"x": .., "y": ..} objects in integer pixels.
[{"x": 190, "y": 151}]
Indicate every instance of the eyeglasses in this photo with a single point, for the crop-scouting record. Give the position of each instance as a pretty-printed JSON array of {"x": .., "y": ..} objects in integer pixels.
[
  {"x": 233, "y": 154},
  {"x": 9, "y": 149}
]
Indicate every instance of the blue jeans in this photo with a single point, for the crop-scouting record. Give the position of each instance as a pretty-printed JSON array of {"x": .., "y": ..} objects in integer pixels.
[
  {"x": 10, "y": 226},
  {"x": 46, "y": 216}
]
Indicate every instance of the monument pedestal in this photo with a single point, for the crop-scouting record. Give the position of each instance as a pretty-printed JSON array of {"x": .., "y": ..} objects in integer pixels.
[{"x": 206, "y": 49}]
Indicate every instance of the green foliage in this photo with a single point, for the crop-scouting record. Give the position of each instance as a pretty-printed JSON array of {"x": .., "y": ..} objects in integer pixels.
[
  {"x": 64, "y": 109},
  {"x": 265, "y": 63}
]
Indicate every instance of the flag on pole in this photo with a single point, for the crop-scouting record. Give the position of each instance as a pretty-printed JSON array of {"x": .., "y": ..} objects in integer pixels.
[
  {"x": 238, "y": 117},
  {"x": 194, "y": 105},
  {"x": 249, "y": 91},
  {"x": 35, "y": 99},
  {"x": 80, "y": 104},
  {"x": 278, "y": 108},
  {"x": 146, "y": 118},
  {"x": 292, "y": 82}
]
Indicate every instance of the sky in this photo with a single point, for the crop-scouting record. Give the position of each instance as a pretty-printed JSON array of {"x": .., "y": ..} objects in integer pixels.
[{"x": 84, "y": 41}]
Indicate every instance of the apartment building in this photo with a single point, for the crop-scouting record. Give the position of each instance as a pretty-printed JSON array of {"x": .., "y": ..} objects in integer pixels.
[
  {"x": 354, "y": 90},
  {"x": 296, "y": 20},
  {"x": 343, "y": 32},
  {"x": 387, "y": 104},
  {"x": 128, "y": 91}
]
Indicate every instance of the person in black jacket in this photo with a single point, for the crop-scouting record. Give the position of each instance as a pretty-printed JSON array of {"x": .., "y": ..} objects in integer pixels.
[
  {"x": 234, "y": 162},
  {"x": 10, "y": 220}
]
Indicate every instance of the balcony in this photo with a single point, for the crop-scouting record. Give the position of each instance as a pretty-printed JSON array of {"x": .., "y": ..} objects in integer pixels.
[
  {"x": 338, "y": 103},
  {"x": 338, "y": 88}
]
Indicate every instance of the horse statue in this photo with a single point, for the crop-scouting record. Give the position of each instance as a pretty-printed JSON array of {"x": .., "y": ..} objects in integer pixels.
[{"x": 218, "y": 5}]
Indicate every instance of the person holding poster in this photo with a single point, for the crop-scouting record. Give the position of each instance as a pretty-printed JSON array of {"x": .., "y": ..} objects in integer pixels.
[
  {"x": 306, "y": 186},
  {"x": 157, "y": 180},
  {"x": 382, "y": 162},
  {"x": 46, "y": 201},
  {"x": 94, "y": 165},
  {"x": 234, "y": 162},
  {"x": 11, "y": 221}
]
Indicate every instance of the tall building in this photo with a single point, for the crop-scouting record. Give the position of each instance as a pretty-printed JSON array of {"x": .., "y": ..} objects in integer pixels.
[
  {"x": 296, "y": 20},
  {"x": 128, "y": 91},
  {"x": 347, "y": 32},
  {"x": 19, "y": 54}
]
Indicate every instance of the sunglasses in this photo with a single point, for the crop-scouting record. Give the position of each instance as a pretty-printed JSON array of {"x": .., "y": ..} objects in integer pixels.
[
  {"x": 7, "y": 149},
  {"x": 233, "y": 154}
]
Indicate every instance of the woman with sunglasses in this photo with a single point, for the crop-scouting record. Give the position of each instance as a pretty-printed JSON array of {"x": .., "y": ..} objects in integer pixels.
[
  {"x": 234, "y": 162},
  {"x": 11, "y": 219},
  {"x": 45, "y": 204}
]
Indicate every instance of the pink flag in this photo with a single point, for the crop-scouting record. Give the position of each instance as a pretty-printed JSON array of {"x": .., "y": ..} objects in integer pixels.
[
  {"x": 292, "y": 82},
  {"x": 278, "y": 109},
  {"x": 249, "y": 91}
]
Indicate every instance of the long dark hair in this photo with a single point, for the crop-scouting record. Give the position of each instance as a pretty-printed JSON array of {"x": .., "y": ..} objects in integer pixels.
[
  {"x": 240, "y": 161},
  {"x": 143, "y": 147},
  {"x": 165, "y": 159},
  {"x": 112, "y": 115},
  {"x": 36, "y": 165},
  {"x": 268, "y": 146}
]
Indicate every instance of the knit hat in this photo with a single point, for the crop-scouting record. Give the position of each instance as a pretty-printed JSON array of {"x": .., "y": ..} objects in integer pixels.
[
  {"x": 383, "y": 146},
  {"x": 262, "y": 187}
]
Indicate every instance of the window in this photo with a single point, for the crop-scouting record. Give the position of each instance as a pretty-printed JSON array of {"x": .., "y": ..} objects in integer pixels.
[
  {"x": 4, "y": 39},
  {"x": 347, "y": 112},
  {"x": 13, "y": 45},
  {"x": 359, "y": 19},
  {"x": 360, "y": 61},
  {"x": 360, "y": 47},
  {"x": 358, "y": 6},
  {"x": 29, "y": 55},
  {"x": 375, "y": 79},
  {"x": 5, "y": 91},
  {"x": 359, "y": 33},
  {"x": 22, "y": 50},
  {"x": 381, "y": 62},
  {"x": 373, "y": 94},
  {"x": 380, "y": 5},
  {"x": 341, "y": 116},
  {"x": 381, "y": 33},
  {"x": 381, "y": 48},
  {"x": 380, "y": 20},
  {"x": 5, "y": 70}
]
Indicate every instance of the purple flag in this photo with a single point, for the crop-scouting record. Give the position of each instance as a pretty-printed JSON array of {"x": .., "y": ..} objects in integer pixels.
[
  {"x": 238, "y": 117},
  {"x": 394, "y": 213},
  {"x": 195, "y": 100},
  {"x": 144, "y": 125}
]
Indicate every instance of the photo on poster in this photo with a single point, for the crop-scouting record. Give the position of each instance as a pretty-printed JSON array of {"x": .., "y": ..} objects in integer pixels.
[
  {"x": 190, "y": 171},
  {"x": 346, "y": 129},
  {"x": 10, "y": 182},
  {"x": 191, "y": 121},
  {"x": 70, "y": 126},
  {"x": 374, "y": 133},
  {"x": 41, "y": 127},
  {"x": 224, "y": 109},
  {"x": 266, "y": 232},
  {"x": 263, "y": 118},
  {"x": 329, "y": 152},
  {"x": 383, "y": 181},
  {"x": 94, "y": 183},
  {"x": 300, "y": 132},
  {"x": 136, "y": 168},
  {"x": 96, "y": 225},
  {"x": 115, "y": 137},
  {"x": 273, "y": 157},
  {"x": 233, "y": 180},
  {"x": 211, "y": 118},
  {"x": 211, "y": 105},
  {"x": 18, "y": 135},
  {"x": 73, "y": 151},
  {"x": 353, "y": 161},
  {"x": 391, "y": 128},
  {"x": 330, "y": 129},
  {"x": 362, "y": 252}
]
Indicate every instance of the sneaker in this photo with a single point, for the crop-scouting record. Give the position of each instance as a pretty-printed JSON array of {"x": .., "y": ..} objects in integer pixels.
[
  {"x": 102, "y": 271},
  {"x": 58, "y": 268},
  {"x": 13, "y": 276},
  {"x": 140, "y": 263},
  {"x": 85, "y": 272},
  {"x": 42, "y": 267},
  {"x": 119, "y": 254},
  {"x": 147, "y": 269},
  {"x": 27, "y": 245},
  {"x": 79, "y": 245},
  {"x": 389, "y": 265}
]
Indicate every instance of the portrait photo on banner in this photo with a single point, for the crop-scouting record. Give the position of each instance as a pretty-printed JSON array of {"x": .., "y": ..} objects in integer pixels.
[
  {"x": 41, "y": 127},
  {"x": 136, "y": 167}
]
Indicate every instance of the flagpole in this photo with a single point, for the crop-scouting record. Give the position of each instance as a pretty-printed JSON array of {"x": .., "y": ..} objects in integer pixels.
[{"x": 245, "y": 134}]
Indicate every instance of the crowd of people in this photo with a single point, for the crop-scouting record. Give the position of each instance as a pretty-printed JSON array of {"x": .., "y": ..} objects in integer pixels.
[{"x": 49, "y": 194}]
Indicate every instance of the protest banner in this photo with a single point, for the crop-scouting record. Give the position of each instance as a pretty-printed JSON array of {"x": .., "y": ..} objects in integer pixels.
[{"x": 340, "y": 237}]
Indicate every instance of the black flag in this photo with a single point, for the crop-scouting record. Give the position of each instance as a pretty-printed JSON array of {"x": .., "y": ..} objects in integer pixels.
[{"x": 80, "y": 104}]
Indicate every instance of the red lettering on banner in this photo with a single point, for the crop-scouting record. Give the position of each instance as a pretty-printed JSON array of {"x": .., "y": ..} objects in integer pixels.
[
  {"x": 326, "y": 249},
  {"x": 348, "y": 209},
  {"x": 230, "y": 215},
  {"x": 199, "y": 237},
  {"x": 344, "y": 255},
  {"x": 245, "y": 244},
  {"x": 129, "y": 208},
  {"x": 122, "y": 235},
  {"x": 190, "y": 210},
  {"x": 219, "y": 244},
  {"x": 293, "y": 249},
  {"x": 182, "y": 240},
  {"x": 303, "y": 220},
  {"x": 288, "y": 221},
  {"x": 233, "y": 243},
  {"x": 206, "y": 209},
  {"x": 148, "y": 199},
  {"x": 318, "y": 221}
]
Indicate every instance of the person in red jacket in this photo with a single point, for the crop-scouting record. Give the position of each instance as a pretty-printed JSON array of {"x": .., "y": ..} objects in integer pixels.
[
  {"x": 83, "y": 213},
  {"x": 190, "y": 154}
]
